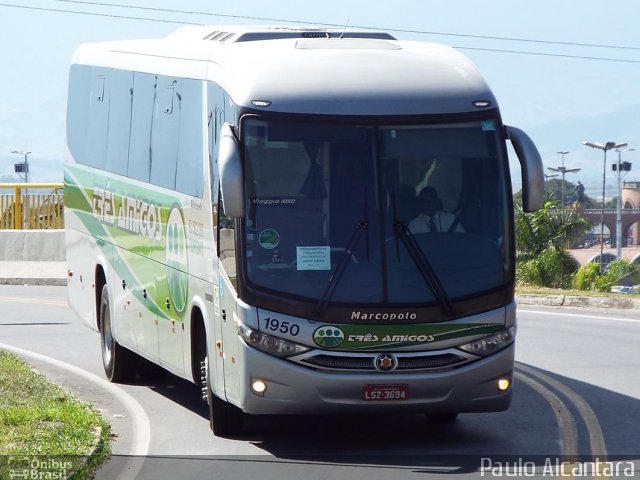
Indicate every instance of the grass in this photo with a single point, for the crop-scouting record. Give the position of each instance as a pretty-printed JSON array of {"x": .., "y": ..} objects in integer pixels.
[{"x": 42, "y": 427}]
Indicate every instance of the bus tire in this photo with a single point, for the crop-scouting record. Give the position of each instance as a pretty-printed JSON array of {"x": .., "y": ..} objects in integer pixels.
[
  {"x": 225, "y": 419},
  {"x": 119, "y": 363}
]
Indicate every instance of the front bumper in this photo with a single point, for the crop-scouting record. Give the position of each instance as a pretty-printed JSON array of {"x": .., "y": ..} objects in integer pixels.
[{"x": 293, "y": 389}]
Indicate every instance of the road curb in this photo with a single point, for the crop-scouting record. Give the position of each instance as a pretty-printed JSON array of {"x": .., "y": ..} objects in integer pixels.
[
  {"x": 59, "y": 282},
  {"x": 579, "y": 301},
  {"x": 33, "y": 272}
]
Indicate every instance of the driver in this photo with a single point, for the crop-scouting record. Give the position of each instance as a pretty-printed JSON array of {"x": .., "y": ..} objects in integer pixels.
[{"x": 431, "y": 217}]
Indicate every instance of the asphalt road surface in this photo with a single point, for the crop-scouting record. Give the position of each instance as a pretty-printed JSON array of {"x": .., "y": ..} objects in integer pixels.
[{"x": 576, "y": 398}]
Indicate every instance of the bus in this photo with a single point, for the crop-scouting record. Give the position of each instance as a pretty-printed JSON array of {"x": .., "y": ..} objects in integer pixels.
[{"x": 254, "y": 209}]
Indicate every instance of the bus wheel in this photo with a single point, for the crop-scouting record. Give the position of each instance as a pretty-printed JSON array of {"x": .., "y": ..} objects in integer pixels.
[
  {"x": 225, "y": 419},
  {"x": 118, "y": 362},
  {"x": 442, "y": 417}
]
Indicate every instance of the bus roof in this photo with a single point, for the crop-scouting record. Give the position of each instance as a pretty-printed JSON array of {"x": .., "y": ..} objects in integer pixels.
[{"x": 305, "y": 70}]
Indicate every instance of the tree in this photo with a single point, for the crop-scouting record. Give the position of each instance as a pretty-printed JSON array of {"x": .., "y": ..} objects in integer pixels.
[
  {"x": 541, "y": 245},
  {"x": 553, "y": 193}
]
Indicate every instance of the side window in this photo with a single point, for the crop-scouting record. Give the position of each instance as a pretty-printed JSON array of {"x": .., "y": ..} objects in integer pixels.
[
  {"x": 98, "y": 118},
  {"x": 216, "y": 107},
  {"x": 77, "y": 111},
  {"x": 141, "y": 119},
  {"x": 165, "y": 131},
  {"x": 226, "y": 243},
  {"x": 119, "y": 121},
  {"x": 189, "y": 174}
]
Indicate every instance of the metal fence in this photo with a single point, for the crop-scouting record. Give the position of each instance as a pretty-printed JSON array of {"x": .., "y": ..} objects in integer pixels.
[{"x": 31, "y": 206}]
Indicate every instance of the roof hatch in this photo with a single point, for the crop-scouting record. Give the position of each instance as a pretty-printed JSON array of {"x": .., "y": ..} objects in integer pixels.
[{"x": 280, "y": 33}]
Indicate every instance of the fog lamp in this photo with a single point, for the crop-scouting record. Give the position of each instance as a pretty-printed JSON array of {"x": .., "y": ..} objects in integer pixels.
[
  {"x": 258, "y": 387},
  {"x": 504, "y": 384}
]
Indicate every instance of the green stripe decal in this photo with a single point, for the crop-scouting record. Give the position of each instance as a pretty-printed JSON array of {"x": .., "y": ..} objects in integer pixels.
[
  {"x": 146, "y": 229},
  {"x": 364, "y": 337}
]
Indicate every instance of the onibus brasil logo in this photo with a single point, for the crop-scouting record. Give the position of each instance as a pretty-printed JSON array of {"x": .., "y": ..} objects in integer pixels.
[{"x": 176, "y": 248}]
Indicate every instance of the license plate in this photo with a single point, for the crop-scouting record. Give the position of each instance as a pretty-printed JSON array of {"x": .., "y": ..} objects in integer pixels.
[{"x": 375, "y": 393}]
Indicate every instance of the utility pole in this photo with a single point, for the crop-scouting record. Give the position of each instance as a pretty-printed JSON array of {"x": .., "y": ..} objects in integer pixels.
[
  {"x": 22, "y": 168},
  {"x": 619, "y": 167}
]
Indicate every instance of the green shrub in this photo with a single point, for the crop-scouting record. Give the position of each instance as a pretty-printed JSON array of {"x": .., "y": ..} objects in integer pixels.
[
  {"x": 587, "y": 277},
  {"x": 528, "y": 273},
  {"x": 622, "y": 269},
  {"x": 558, "y": 267},
  {"x": 552, "y": 268}
]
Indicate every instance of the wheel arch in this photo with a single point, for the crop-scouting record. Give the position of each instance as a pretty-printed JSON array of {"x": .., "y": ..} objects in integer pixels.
[
  {"x": 100, "y": 280},
  {"x": 197, "y": 338}
]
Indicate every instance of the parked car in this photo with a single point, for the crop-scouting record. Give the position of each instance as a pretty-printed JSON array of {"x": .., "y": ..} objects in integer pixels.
[{"x": 625, "y": 289}]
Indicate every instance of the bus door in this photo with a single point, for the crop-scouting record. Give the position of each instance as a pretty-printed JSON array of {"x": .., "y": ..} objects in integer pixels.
[{"x": 227, "y": 331}]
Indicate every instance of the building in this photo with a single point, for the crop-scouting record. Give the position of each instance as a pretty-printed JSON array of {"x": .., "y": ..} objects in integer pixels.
[{"x": 631, "y": 200}]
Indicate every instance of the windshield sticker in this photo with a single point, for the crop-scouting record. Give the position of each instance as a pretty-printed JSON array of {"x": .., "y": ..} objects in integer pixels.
[
  {"x": 269, "y": 239},
  {"x": 313, "y": 258},
  {"x": 272, "y": 201},
  {"x": 488, "y": 125}
]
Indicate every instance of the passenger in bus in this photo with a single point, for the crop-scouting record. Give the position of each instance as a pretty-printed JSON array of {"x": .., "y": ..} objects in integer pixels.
[
  {"x": 406, "y": 206},
  {"x": 431, "y": 217}
]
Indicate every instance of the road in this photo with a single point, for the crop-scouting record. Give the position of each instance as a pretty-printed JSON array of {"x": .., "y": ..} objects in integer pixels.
[{"x": 576, "y": 393}]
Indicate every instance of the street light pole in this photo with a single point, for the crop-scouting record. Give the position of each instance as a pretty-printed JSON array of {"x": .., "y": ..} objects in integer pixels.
[
  {"x": 604, "y": 147},
  {"x": 563, "y": 170},
  {"x": 619, "y": 203}
]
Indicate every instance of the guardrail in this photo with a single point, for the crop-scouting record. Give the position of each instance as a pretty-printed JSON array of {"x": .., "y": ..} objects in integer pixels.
[{"x": 31, "y": 206}]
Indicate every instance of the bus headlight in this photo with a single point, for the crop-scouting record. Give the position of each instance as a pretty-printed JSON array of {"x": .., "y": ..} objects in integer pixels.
[
  {"x": 269, "y": 344},
  {"x": 491, "y": 344}
]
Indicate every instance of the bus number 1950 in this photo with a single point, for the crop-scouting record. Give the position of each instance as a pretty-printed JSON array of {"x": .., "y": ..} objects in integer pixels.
[{"x": 281, "y": 326}]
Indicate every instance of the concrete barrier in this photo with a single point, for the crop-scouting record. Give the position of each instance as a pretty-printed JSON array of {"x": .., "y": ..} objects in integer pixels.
[
  {"x": 32, "y": 245},
  {"x": 628, "y": 303}
]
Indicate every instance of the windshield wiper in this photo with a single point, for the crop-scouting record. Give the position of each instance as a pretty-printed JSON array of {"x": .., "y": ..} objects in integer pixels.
[
  {"x": 421, "y": 262},
  {"x": 424, "y": 267},
  {"x": 340, "y": 268},
  {"x": 361, "y": 227}
]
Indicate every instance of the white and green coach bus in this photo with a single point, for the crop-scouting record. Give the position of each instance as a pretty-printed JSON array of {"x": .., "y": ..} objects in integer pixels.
[{"x": 301, "y": 221}]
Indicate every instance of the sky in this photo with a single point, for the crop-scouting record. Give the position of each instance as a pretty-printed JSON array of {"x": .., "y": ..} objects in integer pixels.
[{"x": 564, "y": 71}]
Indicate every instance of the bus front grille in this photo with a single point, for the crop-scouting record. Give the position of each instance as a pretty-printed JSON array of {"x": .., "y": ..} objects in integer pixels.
[{"x": 406, "y": 362}]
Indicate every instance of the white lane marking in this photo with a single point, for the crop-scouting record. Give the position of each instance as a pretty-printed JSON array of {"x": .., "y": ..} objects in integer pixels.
[
  {"x": 139, "y": 418},
  {"x": 36, "y": 301},
  {"x": 577, "y": 315}
]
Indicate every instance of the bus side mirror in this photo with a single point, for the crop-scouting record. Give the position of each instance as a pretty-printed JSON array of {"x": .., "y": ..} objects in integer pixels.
[
  {"x": 231, "y": 181},
  {"x": 532, "y": 170}
]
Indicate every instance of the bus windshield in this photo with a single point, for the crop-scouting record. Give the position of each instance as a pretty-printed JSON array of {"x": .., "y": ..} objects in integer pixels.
[{"x": 388, "y": 214}]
